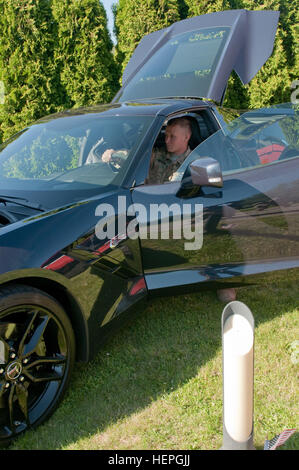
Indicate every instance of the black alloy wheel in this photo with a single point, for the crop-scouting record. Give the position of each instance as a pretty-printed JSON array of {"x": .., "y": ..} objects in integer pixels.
[{"x": 37, "y": 353}]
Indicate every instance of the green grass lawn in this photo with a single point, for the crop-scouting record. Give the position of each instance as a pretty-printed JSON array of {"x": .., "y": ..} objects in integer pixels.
[{"x": 158, "y": 383}]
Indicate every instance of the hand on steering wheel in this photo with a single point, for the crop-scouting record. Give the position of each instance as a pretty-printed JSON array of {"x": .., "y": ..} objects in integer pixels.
[
  {"x": 106, "y": 157},
  {"x": 114, "y": 158}
]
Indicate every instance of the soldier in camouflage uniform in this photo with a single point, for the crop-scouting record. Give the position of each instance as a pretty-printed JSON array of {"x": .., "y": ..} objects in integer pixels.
[
  {"x": 163, "y": 166},
  {"x": 165, "y": 163}
]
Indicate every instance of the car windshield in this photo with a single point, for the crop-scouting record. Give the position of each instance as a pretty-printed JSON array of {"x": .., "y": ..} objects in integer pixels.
[
  {"x": 265, "y": 136},
  {"x": 82, "y": 152}
]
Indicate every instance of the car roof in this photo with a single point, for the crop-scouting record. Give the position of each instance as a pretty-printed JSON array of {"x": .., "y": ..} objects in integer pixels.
[{"x": 163, "y": 107}]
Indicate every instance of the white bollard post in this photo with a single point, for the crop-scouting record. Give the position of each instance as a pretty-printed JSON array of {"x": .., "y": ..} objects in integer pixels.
[{"x": 237, "y": 363}]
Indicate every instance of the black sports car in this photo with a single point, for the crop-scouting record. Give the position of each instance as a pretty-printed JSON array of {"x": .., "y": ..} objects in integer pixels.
[{"x": 84, "y": 240}]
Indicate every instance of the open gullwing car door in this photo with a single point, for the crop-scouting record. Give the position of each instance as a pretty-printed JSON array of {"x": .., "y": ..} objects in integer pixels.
[{"x": 195, "y": 57}]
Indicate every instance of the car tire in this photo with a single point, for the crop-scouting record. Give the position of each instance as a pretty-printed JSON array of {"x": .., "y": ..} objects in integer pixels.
[{"x": 37, "y": 354}]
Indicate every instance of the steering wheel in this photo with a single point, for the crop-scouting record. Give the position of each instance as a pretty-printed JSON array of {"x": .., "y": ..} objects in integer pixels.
[
  {"x": 117, "y": 159},
  {"x": 113, "y": 165}
]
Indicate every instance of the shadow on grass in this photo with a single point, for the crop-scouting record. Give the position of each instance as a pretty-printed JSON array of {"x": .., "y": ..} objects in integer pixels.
[{"x": 154, "y": 354}]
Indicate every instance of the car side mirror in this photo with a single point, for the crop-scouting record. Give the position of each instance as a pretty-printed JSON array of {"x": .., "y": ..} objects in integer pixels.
[{"x": 204, "y": 171}]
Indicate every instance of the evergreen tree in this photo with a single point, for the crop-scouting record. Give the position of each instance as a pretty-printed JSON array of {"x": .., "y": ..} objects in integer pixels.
[
  {"x": 201, "y": 7},
  {"x": 26, "y": 63},
  {"x": 293, "y": 22},
  {"x": 83, "y": 52},
  {"x": 272, "y": 83},
  {"x": 136, "y": 18},
  {"x": 57, "y": 53},
  {"x": 183, "y": 9}
]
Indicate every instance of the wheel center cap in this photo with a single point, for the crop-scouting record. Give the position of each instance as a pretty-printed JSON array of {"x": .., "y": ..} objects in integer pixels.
[{"x": 14, "y": 370}]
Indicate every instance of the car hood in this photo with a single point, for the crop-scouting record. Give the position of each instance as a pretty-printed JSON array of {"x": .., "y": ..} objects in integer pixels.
[{"x": 195, "y": 57}]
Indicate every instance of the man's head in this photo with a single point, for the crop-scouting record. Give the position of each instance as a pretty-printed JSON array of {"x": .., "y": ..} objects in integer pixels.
[{"x": 177, "y": 135}]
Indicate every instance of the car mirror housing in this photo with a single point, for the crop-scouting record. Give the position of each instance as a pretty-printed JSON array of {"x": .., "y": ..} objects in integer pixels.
[{"x": 204, "y": 171}]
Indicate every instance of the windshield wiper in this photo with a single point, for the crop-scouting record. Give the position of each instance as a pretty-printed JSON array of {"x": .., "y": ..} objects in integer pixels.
[{"x": 16, "y": 200}]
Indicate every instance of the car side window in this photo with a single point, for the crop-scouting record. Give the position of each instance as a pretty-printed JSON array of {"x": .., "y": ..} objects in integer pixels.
[
  {"x": 249, "y": 142},
  {"x": 178, "y": 137}
]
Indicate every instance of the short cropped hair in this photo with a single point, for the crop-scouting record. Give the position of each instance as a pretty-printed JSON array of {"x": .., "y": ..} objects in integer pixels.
[{"x": 182, "y": 122}]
